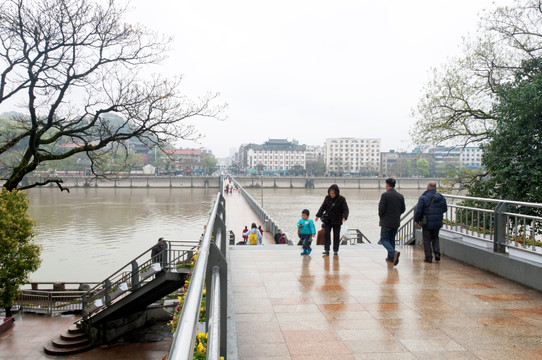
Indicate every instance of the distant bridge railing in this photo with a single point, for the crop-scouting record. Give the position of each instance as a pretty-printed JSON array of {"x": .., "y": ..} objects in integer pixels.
[{"x": 271, "y": 225}]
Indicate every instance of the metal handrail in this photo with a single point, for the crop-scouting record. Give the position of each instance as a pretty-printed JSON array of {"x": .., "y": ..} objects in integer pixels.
[
  {"x": 495, "y": 225},
  {"x": 496, "y": 201},
  {"x": 136, "y": 273},
  {"x": 182, "y": 347}
]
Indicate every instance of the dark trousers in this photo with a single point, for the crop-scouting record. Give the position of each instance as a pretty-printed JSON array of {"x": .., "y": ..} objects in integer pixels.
[
  {"x": 387, "y": 239},
  {"x": 336, "y": 237},
  {"x": 431, "y": 243},
  {"x": 306, "y": 241}
]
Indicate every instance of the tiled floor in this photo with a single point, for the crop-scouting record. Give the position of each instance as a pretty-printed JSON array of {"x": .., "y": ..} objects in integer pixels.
[
  {"x": 356, "y": 306},
  {"x": 29, "y": 333}
]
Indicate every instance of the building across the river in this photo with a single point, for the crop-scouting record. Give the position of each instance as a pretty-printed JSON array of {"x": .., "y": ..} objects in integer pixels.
[
  {"x": 352, "y": 155},
  {"x": 275, "y": 155}
]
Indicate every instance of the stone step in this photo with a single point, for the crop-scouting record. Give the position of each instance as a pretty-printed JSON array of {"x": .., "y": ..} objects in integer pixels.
[
  {"x": 70, "y": 343},
  {"x": 51, "y": 349},
  {"x": 70, "y": 336},
  {"x": 75, "y": 328}
]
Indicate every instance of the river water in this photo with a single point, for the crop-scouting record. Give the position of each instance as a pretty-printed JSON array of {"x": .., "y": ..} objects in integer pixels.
[{"x": 88, "y": 234}]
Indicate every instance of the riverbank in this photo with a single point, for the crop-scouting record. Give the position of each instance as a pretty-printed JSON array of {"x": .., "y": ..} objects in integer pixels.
[{"x": 275, "y": 182}]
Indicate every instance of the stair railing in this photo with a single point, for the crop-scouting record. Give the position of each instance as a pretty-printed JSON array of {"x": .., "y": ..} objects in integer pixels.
[
  {"x": 136, "y": 273},
  {"x": 405, "y": 233},
  {"x": 210, "y": 269}
]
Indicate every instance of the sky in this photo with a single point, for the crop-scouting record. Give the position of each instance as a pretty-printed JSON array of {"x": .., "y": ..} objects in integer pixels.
[{"x": 308, "y": 70}]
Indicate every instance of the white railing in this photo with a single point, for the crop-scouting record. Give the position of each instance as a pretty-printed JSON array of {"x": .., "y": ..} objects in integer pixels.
[
  {"x": 501, "y": 224},
  {"x": 210, "y": 270}
]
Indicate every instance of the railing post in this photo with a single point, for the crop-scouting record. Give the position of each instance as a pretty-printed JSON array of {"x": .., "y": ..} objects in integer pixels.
[
  {"x": 166, "y": 256},
  {"x": 107, "y": 294},
  {"x": 499, "y": 236},
  {"x": 135, "y": 275}
]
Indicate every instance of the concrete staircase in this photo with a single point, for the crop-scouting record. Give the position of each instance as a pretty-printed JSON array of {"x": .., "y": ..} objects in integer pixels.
[
  {"x": 70, "y": 342},
  {"x": 120, "y": 303}
]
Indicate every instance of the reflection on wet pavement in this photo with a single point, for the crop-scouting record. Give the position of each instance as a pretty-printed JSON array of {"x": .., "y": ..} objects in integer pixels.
[{"x": 356, "y": 306}]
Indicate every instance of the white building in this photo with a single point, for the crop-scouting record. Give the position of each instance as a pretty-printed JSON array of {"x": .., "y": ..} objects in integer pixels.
[
  {"x": 471, "y": 156},
  {"x": 468, "y": 156},
  {"x": 314, "y": 152},
  {"x": 276, "y": 155},
  {"x": 352, "y": 155}
]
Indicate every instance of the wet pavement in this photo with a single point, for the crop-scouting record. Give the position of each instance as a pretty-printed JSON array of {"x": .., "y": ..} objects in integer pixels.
[
  {"x": 356, "y": 306},
  {"x": 30, "y": 332}
]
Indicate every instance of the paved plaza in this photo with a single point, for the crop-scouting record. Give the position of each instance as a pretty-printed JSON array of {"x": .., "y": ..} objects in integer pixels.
[{"x": 356, "y": 306}]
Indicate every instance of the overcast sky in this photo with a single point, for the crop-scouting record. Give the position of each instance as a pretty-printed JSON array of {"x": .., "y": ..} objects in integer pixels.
[{"x": 309, "y": 70}]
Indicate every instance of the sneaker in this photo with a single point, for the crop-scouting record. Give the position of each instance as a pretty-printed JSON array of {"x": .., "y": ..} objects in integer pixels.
[
  {"x": 325, "y": 253},
  {"x": 396, "y": 258},
  {"x": 437, "y": 258},
  {"x": 335, "y": 253},
  {"x": 304, "y": 252},
  {"x": 309, "y": 251},
  {"x": 428, "y": 261}
]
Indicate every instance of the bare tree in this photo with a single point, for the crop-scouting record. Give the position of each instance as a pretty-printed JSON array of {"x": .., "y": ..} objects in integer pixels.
[
  {"x": 71, "y": 63},
  {"x": 459, "y": 98}
]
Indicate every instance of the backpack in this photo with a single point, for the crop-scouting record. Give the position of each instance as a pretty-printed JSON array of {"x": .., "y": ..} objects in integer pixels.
[
  {"x": 253, "y": 239},
  {"x": 282, "y": 240}
]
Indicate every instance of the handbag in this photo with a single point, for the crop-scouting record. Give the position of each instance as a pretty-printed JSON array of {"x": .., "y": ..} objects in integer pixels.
[
  {"x": 325, "y": 216},
  {"x": 423, "y": 221}
]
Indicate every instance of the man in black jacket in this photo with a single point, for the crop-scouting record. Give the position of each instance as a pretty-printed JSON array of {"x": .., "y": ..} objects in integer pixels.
[
  {"x": 335, "y": 210},
  {"x": 433, "y": 206},
  {"x": 390, "y": 208}
]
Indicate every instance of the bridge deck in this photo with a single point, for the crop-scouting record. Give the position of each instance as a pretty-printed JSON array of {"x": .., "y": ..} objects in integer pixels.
[
  {"x": 356, "y": 306},
  {"x": 239, "y": 214}
]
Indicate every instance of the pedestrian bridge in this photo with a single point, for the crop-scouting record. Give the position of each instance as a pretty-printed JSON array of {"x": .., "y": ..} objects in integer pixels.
[{"x": 357, "y": 306}]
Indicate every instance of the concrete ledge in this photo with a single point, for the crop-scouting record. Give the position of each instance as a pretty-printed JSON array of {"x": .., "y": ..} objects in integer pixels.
[
  {"x": 6, "y": 324},
  {"x": 525, "y": 272}
]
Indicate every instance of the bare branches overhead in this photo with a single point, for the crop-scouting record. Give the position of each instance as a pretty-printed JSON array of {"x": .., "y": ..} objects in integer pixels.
[{"x": 73, "y": 62}]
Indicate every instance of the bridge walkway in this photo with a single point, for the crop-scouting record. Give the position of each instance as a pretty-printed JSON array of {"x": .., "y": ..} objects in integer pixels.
[
  {"x": 239, "y": 214},
  {"x": 356, "y": 306}
]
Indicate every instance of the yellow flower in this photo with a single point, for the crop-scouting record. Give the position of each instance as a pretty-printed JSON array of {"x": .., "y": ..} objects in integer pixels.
[
  {"x": 204, "y": 291},
  {"x": 202, "y": 309},
  {"x": 201, "y": 349},
  {"x": 206, "y": 335},
  {"x": 222, "y": 358},
  {"x": 200, "y": 335}
]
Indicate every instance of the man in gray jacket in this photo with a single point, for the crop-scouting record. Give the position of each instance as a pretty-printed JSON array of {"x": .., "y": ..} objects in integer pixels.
[{"x": 390, "y": 208}]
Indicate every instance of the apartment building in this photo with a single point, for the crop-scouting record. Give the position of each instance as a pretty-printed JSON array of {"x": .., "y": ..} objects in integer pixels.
[
  {"x": 352, "y": 155},
  {"x": 275, "y": 155}
]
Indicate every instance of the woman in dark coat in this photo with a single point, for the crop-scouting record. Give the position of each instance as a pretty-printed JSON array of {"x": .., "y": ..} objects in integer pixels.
[{"x": 334, "y": 211}]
